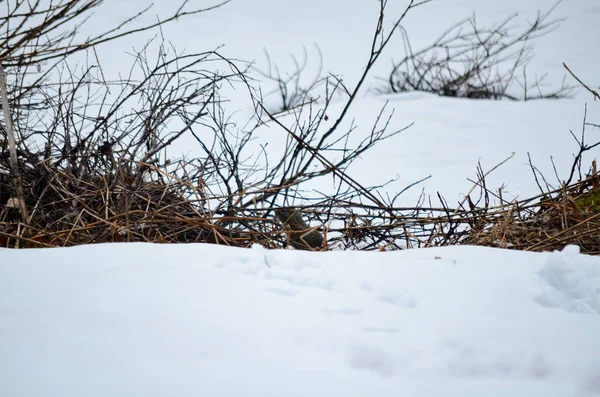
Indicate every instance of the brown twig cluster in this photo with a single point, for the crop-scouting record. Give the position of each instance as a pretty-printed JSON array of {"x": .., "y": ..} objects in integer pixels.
[
  {"x": 109, "y": 208},
  {"x": 570, "y": 215}
]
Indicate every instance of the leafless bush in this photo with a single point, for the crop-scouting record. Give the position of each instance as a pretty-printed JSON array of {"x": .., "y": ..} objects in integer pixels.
[
  {"x": 476, "y": 62},
  {"x": 92, "y": 151},
  {"x": 71, "y": 131},
  {"x": 293, "y": 89},
  {"x": 92, "y": 154},
  {"x": 317, "y": 147},
  {"x": 560, "y": 215}
]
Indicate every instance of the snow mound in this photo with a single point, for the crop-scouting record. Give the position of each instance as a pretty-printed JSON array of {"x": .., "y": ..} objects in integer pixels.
[{"x": 572, "y": 282}]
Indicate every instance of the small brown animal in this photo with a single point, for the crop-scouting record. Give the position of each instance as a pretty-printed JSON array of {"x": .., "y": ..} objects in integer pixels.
[{"x": 300, "y": 234}]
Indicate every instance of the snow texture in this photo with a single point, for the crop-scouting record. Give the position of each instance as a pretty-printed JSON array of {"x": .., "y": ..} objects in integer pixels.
[
  {"x": 573, "y": 282},
  {"x": 152, "y": 320}
]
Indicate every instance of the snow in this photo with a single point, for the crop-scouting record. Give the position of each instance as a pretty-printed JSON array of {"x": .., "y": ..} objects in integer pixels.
[
  {"x": 142, "y": 319},
  {"x": 190, "y": 320},
  {"x": 572, "y": 285}
]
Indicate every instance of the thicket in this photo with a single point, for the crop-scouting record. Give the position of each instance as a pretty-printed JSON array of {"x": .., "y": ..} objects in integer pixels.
[
  {"x": 478, "y": 62},
  {"x": 85, "y": 159}
]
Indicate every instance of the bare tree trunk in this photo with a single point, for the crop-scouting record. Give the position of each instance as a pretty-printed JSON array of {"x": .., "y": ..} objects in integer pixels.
[{"x": 12, "y": 148}]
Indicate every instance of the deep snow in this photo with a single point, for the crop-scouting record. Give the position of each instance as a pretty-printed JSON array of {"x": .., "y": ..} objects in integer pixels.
[{"x": 152, "y": 320}]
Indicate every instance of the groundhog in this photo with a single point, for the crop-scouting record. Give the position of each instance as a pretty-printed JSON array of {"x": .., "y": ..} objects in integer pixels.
[{"x": 300, "y": 234}]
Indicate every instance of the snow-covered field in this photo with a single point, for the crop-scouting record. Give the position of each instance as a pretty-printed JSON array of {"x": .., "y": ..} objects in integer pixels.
[
  {"x": 201, "y": 320},
  {"x": 148, "y": 320}
]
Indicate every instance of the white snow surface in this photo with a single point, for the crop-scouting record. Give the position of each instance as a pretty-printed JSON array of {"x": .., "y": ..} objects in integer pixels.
[{"x": 190, "y": 320}]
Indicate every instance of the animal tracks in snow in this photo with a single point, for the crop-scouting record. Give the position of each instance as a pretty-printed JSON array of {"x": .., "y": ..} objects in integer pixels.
[
  {"x": 371, "y": 359},
  {"x": 572, "y": 282}
]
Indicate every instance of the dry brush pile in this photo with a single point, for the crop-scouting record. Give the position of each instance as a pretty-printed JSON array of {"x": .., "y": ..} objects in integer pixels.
[{"x": 85, "y": 160}]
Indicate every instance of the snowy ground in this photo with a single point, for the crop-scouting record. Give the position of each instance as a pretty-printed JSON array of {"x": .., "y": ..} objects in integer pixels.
[{"x": 145, "y": 320}]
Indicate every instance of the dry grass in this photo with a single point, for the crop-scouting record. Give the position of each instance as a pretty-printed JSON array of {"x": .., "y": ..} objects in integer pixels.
[
  {"x": 66, "y": 210},
  {"x": 567, "y": 216}
]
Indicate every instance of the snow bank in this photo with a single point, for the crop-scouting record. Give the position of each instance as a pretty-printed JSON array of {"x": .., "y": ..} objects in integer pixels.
[{"x": 191, "y": 320}]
